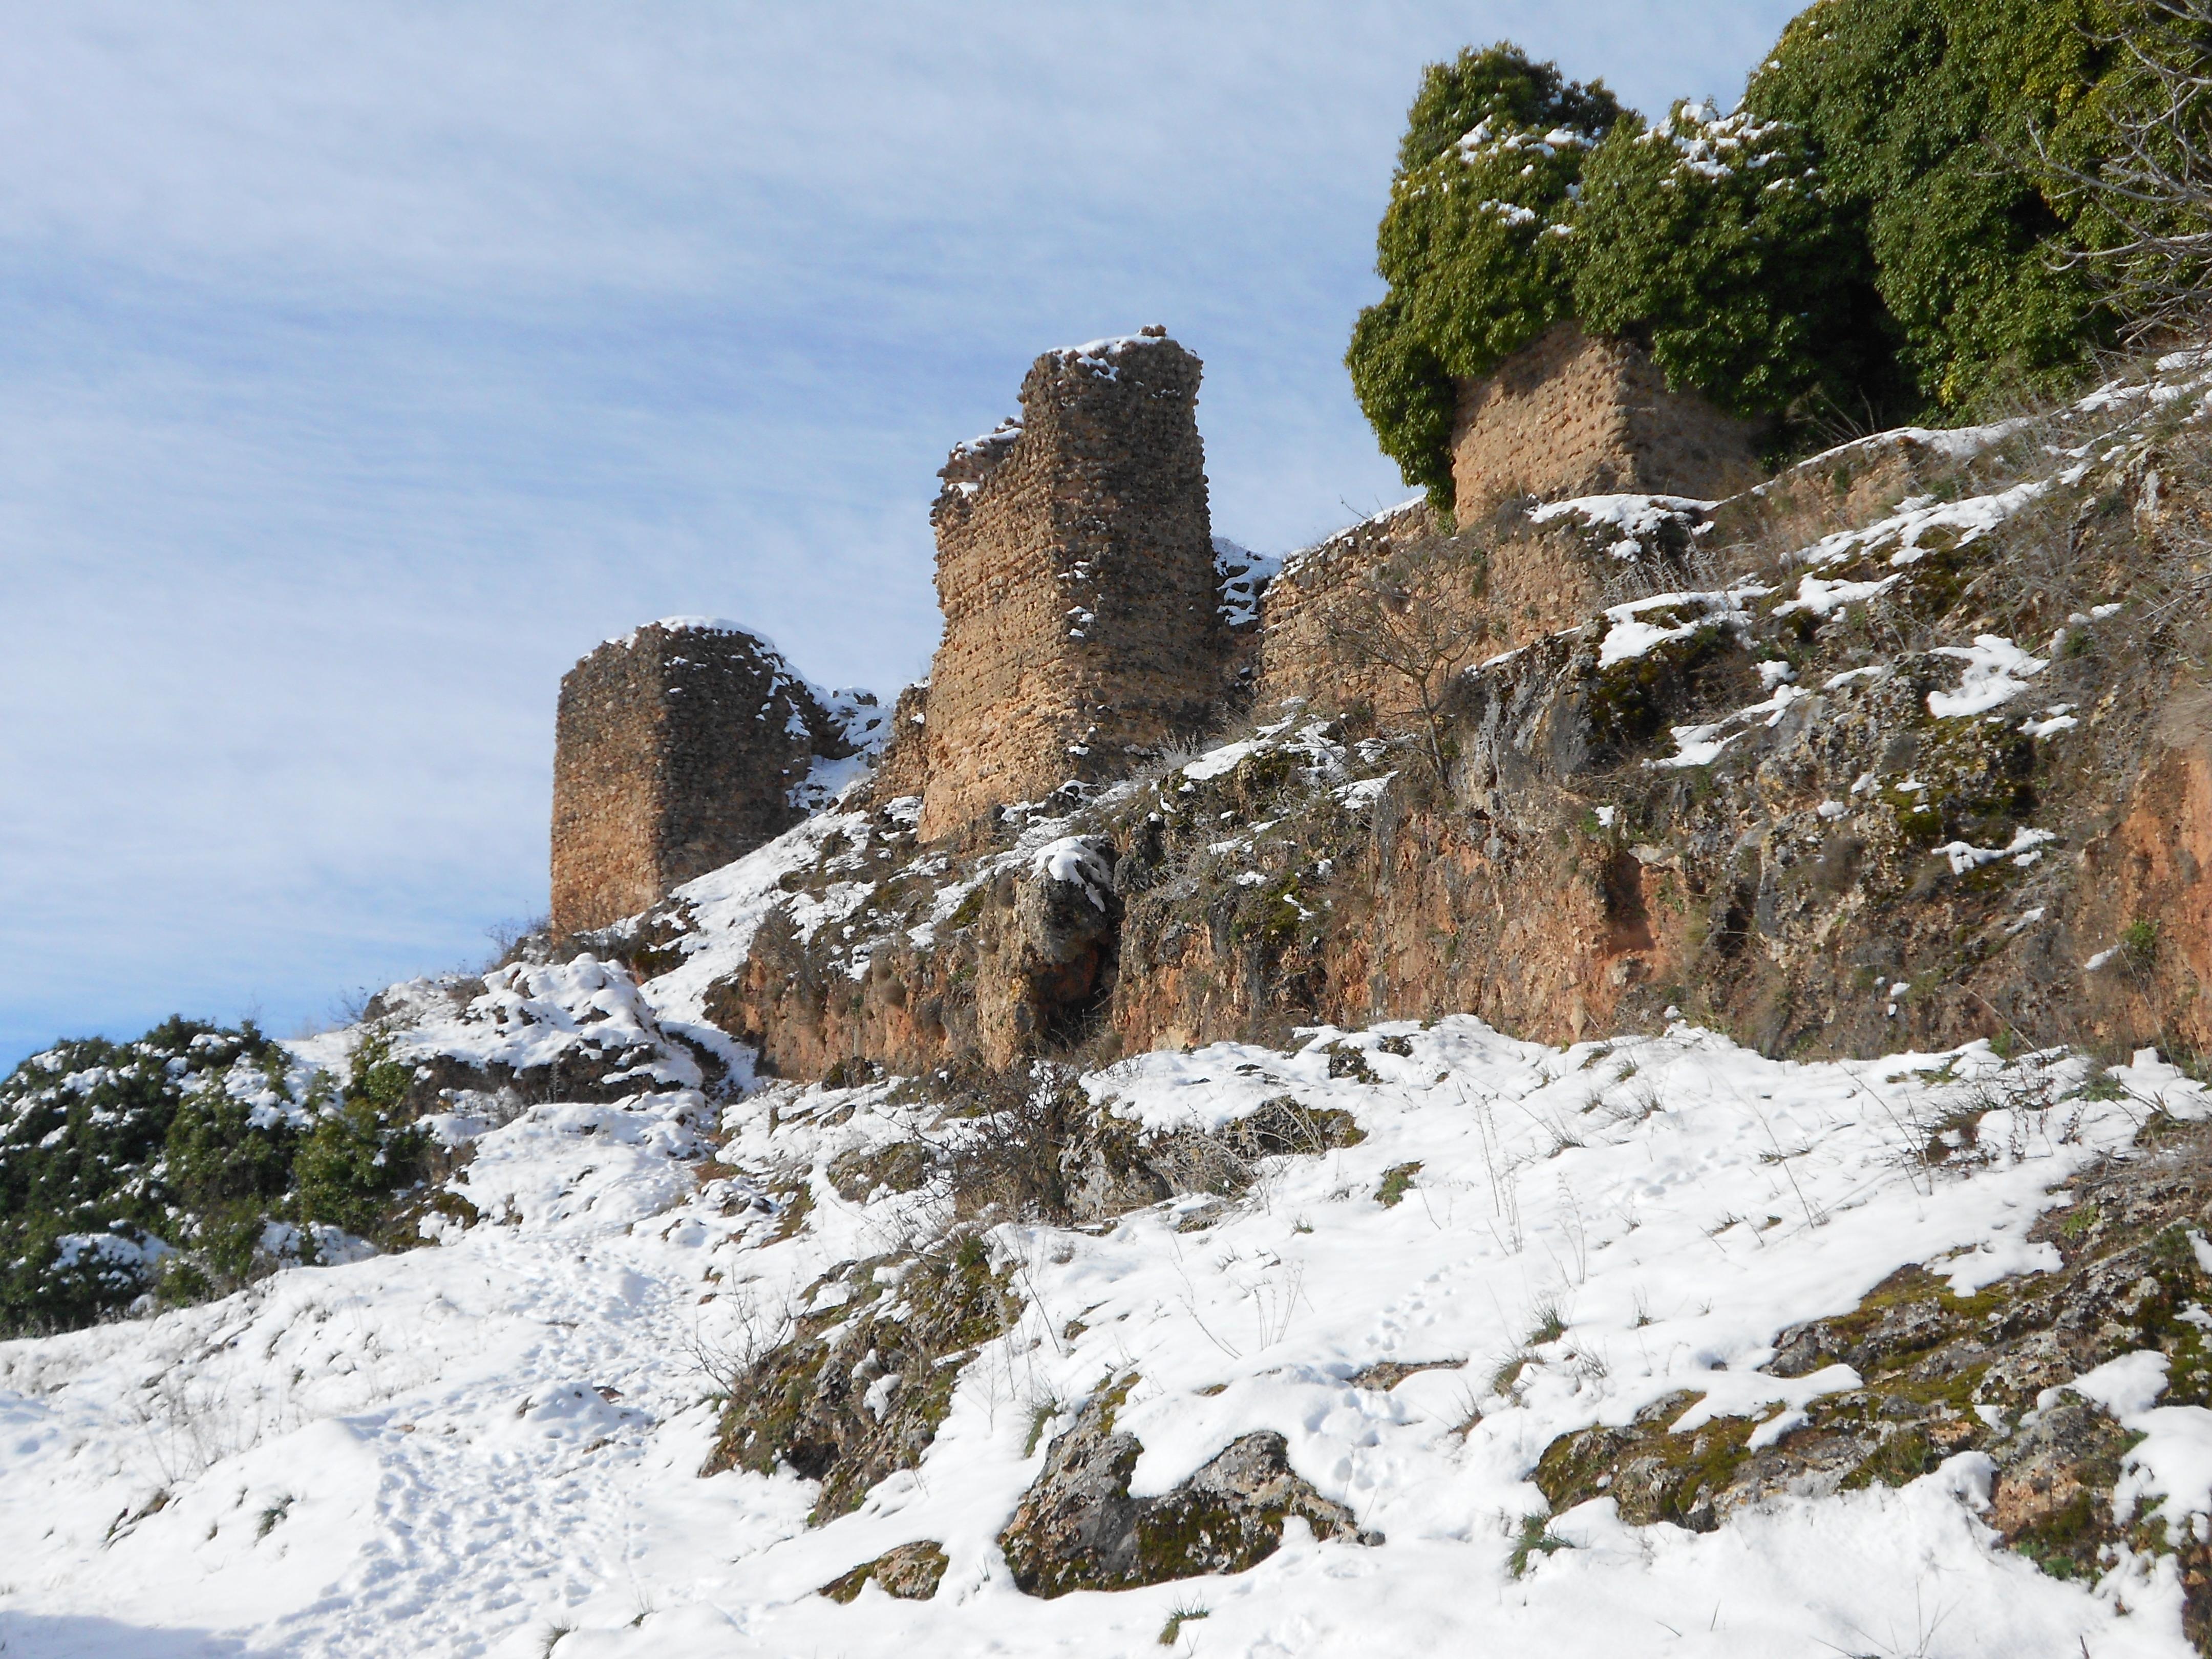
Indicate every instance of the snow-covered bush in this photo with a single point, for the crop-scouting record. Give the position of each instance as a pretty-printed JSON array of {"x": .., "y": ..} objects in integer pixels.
[
  {"x": 184, "y": 1164},
  {"x": 1884, "y": 226},
  {"x": 358, "y": 1157},
  {"x": 92, "y": 1201}
]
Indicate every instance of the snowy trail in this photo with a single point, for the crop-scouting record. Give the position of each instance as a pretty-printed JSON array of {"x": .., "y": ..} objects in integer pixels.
[{"x": 469, "y": 1448}]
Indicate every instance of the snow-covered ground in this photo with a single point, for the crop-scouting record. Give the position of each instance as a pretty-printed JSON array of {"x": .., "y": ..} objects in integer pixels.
[{"x": 472, "y": 1448}]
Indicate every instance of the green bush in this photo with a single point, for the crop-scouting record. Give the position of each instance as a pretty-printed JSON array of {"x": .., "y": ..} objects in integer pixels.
[
  {"x": 227, "y": 1164},
  {"x": 1711, "y": 240},
  {"x": 1925, "y": 114},
  {"x": 1472, "y": 243},
  {"x": 358, "y": 1157},
  {"x": 1884, "y": 228},
  {"x": 156, "y": 1167},
  {"x": 86, "y": 1203}
]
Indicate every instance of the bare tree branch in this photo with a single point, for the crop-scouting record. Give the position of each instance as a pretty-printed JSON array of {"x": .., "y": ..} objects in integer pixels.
[
  {"x": 1408, "y": 618},
  {"x": 2155, "y": 188}
]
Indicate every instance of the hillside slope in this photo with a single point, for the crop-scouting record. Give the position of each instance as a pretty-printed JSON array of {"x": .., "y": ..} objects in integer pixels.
[
  {"x": 471, "y": 1448},
  {"x": 1906, "y": 747},
  {"x": 1128, "y": 1225}
]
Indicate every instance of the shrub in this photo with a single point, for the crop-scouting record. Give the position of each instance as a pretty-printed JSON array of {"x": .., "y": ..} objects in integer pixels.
[
  {"x": 1472, "y": 242},
  {"x": 228, "y": 1166},
  {"x": 358, "y": 1157},
  {"x": 1887, "y": 225},
  {"x": 89, "y": 1205},
  {"x": 1713, "y": 240},
  {"x": 1923, "y": 113}
]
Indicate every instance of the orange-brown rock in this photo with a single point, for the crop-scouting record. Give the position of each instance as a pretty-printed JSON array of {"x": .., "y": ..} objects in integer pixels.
[{"x": 2147, "y": 893}]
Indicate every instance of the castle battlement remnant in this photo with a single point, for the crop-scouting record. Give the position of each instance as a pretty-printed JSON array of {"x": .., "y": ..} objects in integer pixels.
[
  {"x": 1574, "y": 414},
  {"x": 680, "y": 746},
  {"x": 1075, "y": 567}
]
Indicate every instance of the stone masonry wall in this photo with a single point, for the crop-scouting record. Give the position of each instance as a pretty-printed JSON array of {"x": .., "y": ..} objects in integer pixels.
[
  {"x": 902, "y": 768},
  {"x": 1577, "y": 415},
  {"x": 678, "y": 749},
  {"x": 1501, "y": 582},
  {"x": 1076, "y": 573}
]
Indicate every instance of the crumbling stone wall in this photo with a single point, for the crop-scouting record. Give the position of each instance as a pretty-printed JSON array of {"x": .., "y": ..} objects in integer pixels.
[
  {"x": 1574, "y": 414},
  {"x": 1075, "y": 569},
  {"x": 679, "y": 747},
  {"x": 1298, "y": 660},
  {"x": 902, "y": 768},
  {"x": 1489, "y": 585}
]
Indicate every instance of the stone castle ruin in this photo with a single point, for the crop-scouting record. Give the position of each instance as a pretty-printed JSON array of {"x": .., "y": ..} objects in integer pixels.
[
  {"x": 1075, "y": 569},
  {"x": 680, "y": 746},
  {"x": 1573, "y": 414},
  {"x": 1091, "y": 619}
]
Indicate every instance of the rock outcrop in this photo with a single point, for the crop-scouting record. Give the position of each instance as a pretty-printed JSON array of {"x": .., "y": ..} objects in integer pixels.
[
  {"x": 1938, "y": 773},
  {"x": 1940, "y": 1374},
  {"x": 1079, "y": 1528},
  {"x": 855, "y": 1388}
]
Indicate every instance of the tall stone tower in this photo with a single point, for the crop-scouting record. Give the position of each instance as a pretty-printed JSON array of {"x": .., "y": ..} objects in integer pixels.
[
  {"x": 1075, "y": 569},
  {"x": 679, "y": 747}
]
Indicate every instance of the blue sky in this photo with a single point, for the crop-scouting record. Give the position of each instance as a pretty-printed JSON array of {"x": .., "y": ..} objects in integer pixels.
[{"x": 362, "y": 365}]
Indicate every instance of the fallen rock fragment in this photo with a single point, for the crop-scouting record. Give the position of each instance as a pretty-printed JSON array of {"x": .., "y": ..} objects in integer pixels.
[
  {"x": 912, "y": 1572},
  {"x": 1079, "y": 1528}
]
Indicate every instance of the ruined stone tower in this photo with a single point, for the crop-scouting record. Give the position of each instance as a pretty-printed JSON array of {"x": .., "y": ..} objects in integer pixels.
[
  {"x": 1574, "y": 414},
  {"x": 1075, "y": 569},
  {"x": 679, "y": 747}
]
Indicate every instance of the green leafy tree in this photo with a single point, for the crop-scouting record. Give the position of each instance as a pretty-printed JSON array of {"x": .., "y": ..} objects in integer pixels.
[
  {"x": 1894, "y": 221},
  {"x": 1926, "y": 116},
  {"x": 2144, "y": 201},
  {"x": 1713, "y": 240},
  {"x": 1473, "y": 242}
]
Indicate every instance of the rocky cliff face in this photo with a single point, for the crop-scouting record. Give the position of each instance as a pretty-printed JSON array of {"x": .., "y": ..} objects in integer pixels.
[{"x": 1918, "y": 754}]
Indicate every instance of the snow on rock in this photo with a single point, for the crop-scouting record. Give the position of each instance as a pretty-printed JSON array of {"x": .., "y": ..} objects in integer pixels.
[
  {"x": 864, "y": 723},
  {"x": 529, "y": 1015},
  {"x": 465, "y": 1449},
  {"x": 2023, "y": 849},
  {"x": 1078, "y": 860},
  {"x": 1216, "y": 762},
  {"x": 1629, "y": 634},
  {"x": 1102, "y": 358},
  {"x": 1996, "y": 671},
  {"x": 700, "y": 625},
  {"x": 1633, "y": 520},
  {"x": 1919, "y": 518},
  {"x": 1701, "y": 745},
  {"x": 724, "y": 909},
  {"x": 1338, "y": 541},
  {"x": 1822, "y": 596},
  {"x": 1243, "y": 577}
]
